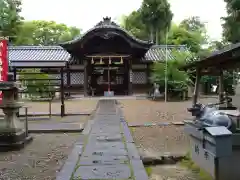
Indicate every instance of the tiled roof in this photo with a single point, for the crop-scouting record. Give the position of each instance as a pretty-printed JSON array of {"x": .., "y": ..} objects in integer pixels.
[
  {"x": 158, "y": 52},
  {"x": 107, "y": 24},
  {"x": 38, "y": 53},
  {"x": 215, "y": 57},
  {"x": 57, "y": 53}
]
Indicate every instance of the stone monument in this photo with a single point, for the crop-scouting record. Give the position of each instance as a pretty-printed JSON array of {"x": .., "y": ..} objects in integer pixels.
[
  {"x": 12, "y": 131},
  {"x": 215, "y": 138}
]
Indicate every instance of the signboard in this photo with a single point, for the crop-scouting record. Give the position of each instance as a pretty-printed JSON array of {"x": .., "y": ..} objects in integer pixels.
[{"x": 3, "y": 62}]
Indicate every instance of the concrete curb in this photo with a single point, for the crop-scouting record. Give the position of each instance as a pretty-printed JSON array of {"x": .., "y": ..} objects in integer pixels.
[{"x": 53, "y": 131}]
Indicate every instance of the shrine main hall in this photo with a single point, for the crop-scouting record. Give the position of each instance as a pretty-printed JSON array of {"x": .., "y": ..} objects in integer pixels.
[{"x": 105, "y": 58}]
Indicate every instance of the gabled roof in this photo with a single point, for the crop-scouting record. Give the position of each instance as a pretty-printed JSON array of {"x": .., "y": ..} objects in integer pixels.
[
  {"x": 227, "y": 56},
  {"x": 107, "y": 24},
  {"x": 57, "y": 53}
]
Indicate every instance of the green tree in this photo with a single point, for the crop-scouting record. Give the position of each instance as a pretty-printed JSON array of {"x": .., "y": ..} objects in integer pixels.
[
  {"x": 217, "y": 45},
  {"x": 197, "y": 27},
  {"x": 193, "y": 24},
  {"x": 45, "y": 33},
  {"x": 10, "y": 20},
  {"x": 181, "y": 36},
  {"x": 231, "y": 25},
  {"x": 177, "y": 81},
  {"x": 157, "y": 16},
  {"x": 37, "y": 84},
  {"x": 133, "y": 24}
]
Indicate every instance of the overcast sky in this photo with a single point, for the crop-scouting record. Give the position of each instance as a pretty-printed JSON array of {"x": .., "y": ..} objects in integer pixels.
[{"x": 86, "y": 13}]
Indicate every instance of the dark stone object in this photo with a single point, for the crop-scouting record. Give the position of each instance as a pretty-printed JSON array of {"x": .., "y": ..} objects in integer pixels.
[{"x": 11, "y": 140}]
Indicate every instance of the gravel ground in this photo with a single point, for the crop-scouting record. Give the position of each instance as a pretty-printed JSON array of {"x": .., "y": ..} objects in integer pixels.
[
  {"x": 72, "y": 106},
  {"x": 156, "y": 140},
  {"x": 172, "y": 172},
  {"x": 143, "y": 111},
  {"x": 81, "y": 119},
  {"x": 40, "y": 160},
  {"x": 161, "y": 140}
]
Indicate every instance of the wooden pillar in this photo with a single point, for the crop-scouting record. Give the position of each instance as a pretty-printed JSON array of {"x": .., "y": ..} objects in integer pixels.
[
  {"x": 221, "y": 88},
  {"x": 15, "y": 74},
  {"x": 68, "y": 79},
  {"x": 62, "y": 93},
  {"x": 196, "y": 88},
  {"x": 148, "y": 73},
  {"x": 16, "y": 95},
  {"x": 85, "y": 62},
  {"x": 130, "y": 77},
  {"x": 125, "y": 77}
]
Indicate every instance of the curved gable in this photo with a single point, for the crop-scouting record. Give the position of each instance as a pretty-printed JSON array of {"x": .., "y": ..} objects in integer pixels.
[{"x": 106, "y": 30}]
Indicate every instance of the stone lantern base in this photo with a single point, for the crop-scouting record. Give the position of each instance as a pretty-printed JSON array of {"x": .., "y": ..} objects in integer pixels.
[{"x": 13, "y": 139}]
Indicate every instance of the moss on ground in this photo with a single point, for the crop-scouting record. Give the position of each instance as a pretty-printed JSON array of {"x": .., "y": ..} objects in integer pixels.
[
  {"x": 148, "y": 170},
  {"x": 201, "y": 174}
]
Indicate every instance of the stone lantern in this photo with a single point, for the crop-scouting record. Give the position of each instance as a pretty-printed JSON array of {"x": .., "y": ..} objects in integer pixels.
[{"x": 13, "y": 133}]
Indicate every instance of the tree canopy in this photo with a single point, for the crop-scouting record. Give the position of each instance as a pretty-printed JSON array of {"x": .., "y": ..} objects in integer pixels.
[
  {"x": 157, "y": 16},
  {"x": 45, "y": 33},
  {"x": 151, "y": 21},
  {"x": 10, "y": 20},
  {"x": 231, "y": 25}
]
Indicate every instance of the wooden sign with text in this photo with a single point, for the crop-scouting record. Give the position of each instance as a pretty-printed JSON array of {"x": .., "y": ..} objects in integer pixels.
[{"x": 3, "y": 62}]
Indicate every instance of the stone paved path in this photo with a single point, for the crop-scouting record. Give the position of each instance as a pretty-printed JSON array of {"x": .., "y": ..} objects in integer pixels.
[{"x": 108, "y": 151}]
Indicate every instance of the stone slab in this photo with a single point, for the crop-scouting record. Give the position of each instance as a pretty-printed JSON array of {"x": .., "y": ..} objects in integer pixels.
[
  {"x": 106, "y": 155},
  {"x": 54, "y": 126},
  {"x": 120, "y": 171},
  {"x": 69, "y": 166},
  {"x": 127, "y": 133},
  {"x": 106, "y": 133},
  {"x": 81, "y": 140},
  {"x": 107, "y": 128},
  {"x": 91, "y": 149},
  {"x": 132, "y": 151},
  {"x": 103, "y": 160},
  {"x": 88, "y": 127},
  {"x": 105, "y": 152},
  {"x": 105, "y": 145},
  {"x": 105, "y": 137},
  {"x": 139, "y": 171}
]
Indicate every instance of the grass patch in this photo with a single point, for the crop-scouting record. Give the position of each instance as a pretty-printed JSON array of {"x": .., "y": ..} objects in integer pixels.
[
  {"x": 148, "y": 170},
  {"x": 202, "y": 174},
  {"x": 132, "y": 129}
]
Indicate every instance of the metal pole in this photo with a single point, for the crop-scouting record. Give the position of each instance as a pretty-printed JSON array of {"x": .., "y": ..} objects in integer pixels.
[
  {"x": 26, "y": 121},
  {"x": 109, "y": 79},
  {"x": 166, "y": 66}
]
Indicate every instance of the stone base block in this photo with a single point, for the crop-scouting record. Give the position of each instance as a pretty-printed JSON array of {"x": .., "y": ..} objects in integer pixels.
[{"x": 13, "y": 140}]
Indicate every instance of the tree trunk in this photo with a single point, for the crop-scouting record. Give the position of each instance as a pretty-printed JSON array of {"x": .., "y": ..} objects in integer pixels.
[
  {"x": 151, "y": 34},
  {"x": 157, "y": 39}
]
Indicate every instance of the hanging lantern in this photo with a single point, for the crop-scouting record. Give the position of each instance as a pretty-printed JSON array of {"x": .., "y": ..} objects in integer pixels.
[
  {"x": 110, "y": 60},
  {"x": 92, "y": 61},
  {"x": 101, "y": 62},
  {"x": 121, "y": 60}
]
